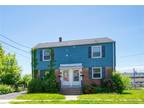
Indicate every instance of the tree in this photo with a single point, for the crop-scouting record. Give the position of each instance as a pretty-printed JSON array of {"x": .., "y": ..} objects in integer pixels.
[
  {"x": 26, "y": 79},
  {"x": 10, "y": 71},
  {"x": 1, "y": 60}
]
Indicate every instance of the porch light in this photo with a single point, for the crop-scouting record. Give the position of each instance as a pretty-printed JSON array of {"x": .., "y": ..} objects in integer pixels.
[
  {"x": 59, "y": 75},
  {"x": 82, "y": 75}
]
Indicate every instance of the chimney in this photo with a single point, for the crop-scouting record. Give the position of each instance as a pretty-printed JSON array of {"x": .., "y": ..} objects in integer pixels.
[{"x": 60, "y": 39}]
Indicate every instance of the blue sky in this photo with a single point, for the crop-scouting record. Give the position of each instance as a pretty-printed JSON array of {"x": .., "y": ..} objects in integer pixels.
[{"x": 30, "y": 25}]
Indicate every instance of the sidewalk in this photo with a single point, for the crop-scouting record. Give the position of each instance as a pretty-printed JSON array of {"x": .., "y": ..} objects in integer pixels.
[
  {"x": 6, "y": 98},
  {"x": 71, "y": 97}
]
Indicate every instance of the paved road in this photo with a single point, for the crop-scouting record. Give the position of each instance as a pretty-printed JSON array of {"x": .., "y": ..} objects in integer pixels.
[{"x": 4, "y": 99}]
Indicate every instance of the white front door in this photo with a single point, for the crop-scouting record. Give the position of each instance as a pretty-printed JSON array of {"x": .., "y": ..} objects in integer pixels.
[
  {"x": 70, "y": 78},
  {"x": 65, "y": 79},
  {"x": 76, "y": 81}
]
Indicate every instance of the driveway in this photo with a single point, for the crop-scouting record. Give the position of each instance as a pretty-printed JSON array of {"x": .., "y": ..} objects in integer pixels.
[{"x": 6, "y": 98}]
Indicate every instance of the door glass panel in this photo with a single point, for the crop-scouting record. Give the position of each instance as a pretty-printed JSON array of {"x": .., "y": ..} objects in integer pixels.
[
  {"x": 76, "y": 75},
  {"x": 65, "y": 75}
]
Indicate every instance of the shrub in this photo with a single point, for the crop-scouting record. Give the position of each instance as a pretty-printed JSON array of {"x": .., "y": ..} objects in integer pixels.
[
  {"x": 50, "y": 86},
  {"x": 108, "y": 85},
  {"x": 18, "y": 89},
  {"x": 93, "y": 88},
  {"x": 117, "y": 83},
  {"x": 4, "y": 89},
  {"x": 127, "y": 82},
  {"x": 100, "y": 89},
  {"x": 35, "y": 86},
  {"x": 87, "y": 89},
  {"x": 43, "y": 85}
]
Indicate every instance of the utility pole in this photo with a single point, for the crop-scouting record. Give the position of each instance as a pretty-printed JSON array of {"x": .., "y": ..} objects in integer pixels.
[{"x": 134, "y": 76}]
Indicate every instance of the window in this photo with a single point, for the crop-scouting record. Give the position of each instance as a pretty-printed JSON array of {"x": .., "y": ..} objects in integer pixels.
[
  {"x": 46, "y": 55},
  {"x": 65, "y": 75},
  {"x": 96, "y": 51},
  {"x": 96, "y": 73},
  {"x": 76, "y": 75}
]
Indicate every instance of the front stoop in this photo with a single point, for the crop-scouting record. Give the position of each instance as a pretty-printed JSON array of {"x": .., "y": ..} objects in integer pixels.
[{"x": 71, "y": 91}]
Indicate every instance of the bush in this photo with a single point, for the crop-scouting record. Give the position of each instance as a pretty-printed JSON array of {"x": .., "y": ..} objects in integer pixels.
[
  {"x": 93, "y": 88},
  {"x": 4, "y": 89},
  {"x": 49, "y": 86},
  {"x": 87, "y": 89},
  {"x": 43, "y": 86},
  {"x": 127, "y": 82},
  {"x": 18, "y": 89},
  {"x": 35, "y": 86},
  {"x": 116, "y": 84},
  {"x": 108, "y": 85}
]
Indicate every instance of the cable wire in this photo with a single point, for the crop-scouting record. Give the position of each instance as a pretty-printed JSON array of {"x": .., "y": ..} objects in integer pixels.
[
  {"x": 14, "y": 47},
  {"x": 14, "y": 41}
]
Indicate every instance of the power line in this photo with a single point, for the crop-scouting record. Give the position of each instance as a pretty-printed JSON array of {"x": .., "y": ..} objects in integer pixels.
[
  {"x": 17, "y": 53},
  {"x": 14, "y": 41},
  {"x": 14, "y": 47}
]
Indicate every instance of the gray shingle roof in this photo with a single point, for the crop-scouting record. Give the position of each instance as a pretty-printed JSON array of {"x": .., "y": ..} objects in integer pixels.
[{"x": 73, "y": 42}]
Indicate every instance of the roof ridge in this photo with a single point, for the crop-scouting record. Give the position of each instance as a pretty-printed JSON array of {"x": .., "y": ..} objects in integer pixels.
[{"x": 74, "y": 42}]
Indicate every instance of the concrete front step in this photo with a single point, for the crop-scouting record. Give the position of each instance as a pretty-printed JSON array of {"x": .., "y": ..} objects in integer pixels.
[{"x": 71, "y": 91}]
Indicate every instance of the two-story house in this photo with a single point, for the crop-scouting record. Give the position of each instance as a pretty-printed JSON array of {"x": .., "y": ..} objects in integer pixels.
[{"x": 77, "y": 61}]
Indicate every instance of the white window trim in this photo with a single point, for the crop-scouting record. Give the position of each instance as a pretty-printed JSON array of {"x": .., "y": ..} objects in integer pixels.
[
  {"x": 43, "y": 56},
  {"x": 100, "y": 72},
  {"x": 98, "y": 46}
]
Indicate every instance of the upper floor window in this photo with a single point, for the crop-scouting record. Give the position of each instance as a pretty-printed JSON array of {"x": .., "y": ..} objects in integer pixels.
[
  {"x": 46, "y": 55},
  {"x": 96, "y": 51},
  {"x": 96, "y": 72}
]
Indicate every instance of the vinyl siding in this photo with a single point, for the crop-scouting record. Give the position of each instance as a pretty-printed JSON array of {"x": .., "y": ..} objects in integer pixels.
[{"x": 78, "y": 54}]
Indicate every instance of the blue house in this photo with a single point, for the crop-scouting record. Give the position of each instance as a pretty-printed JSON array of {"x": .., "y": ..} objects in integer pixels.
[{"x": 75, "y": 62}]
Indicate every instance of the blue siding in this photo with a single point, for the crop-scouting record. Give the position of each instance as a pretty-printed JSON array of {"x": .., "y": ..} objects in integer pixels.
[{"x": 78, "y": 54}]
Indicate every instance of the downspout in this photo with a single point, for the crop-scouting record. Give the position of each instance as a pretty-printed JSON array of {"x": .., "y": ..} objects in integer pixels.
[{"x": 114, "y": 56}]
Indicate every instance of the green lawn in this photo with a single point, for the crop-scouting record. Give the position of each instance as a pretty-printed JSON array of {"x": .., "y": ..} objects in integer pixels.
[
  {"x": 75, "y": 102},
  {"x": 128, "y": 97},
  {"x": 40, "y": 96}
]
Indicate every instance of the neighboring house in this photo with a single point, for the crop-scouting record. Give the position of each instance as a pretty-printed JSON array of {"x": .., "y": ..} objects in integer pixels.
[{"x": 76, "y": 62}]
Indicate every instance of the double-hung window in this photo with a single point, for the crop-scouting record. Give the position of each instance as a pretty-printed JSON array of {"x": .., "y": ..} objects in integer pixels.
[
  {"x": 96, "y": 51},
  {"x": 46, "y": 55},
  {"x": 96, "y": 72}
]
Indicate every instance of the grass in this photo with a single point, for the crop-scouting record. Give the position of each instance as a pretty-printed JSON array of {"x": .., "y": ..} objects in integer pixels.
[
  {"x": 128, "y": 97},
  {"x": 76, "y": 102},
  {"x": 40, "y": 96}
]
